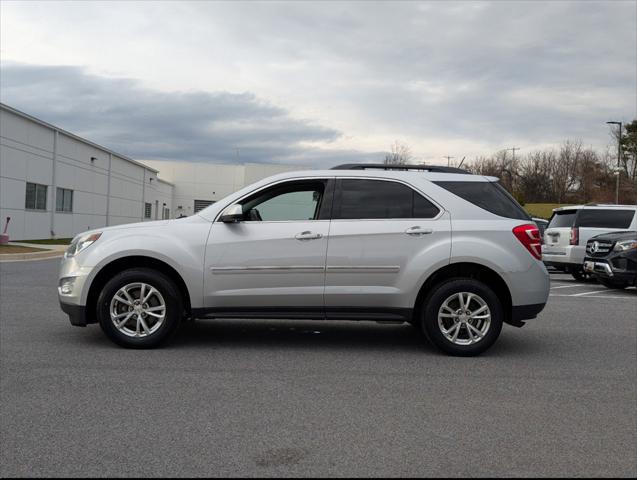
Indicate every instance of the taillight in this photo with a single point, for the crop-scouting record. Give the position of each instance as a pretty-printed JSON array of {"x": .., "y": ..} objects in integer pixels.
[
  {"x": 529, "y": 236},
  {"x": 574, "y": 238}
]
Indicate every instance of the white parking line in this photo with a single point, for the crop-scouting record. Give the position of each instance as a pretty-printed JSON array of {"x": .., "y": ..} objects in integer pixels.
[
  {"x": 588, "y": 293},
  {"x": 569, "y": 286},
  {"x": 591, "y": 296}
]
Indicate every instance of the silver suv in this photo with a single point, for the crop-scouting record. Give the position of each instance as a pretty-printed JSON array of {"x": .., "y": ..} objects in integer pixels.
[
  {"x": 449, "y": 252},
  {"x": 571, "y": 227}
]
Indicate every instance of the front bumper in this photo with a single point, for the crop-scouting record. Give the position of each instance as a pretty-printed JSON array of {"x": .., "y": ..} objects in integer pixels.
[
  {"x": 73, "y": 283},
  {"x": 610, "y": 270},
  {"x": 76, "y": 313}
]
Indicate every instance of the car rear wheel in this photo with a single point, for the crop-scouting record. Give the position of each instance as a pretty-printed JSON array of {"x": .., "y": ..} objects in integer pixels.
[
  {"x": 462, "y": 317},
  {"x": 139, "y": 308}
]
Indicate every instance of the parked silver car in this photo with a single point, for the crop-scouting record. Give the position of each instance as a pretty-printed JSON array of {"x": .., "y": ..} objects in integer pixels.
[
  {"x": 449, "y": 252},
  {"x": 571, "y": 227}
]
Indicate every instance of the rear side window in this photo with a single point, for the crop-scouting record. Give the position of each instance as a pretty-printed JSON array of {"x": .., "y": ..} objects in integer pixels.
[
  {"x": 490, "y": 196},
  {"x": 598, "y": 218},
  {"x": 563, "y": 219},
  {"x": 370, "y": 199}
]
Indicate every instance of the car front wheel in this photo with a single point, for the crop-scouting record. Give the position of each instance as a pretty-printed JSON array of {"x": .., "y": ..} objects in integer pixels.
[
  {"x": 462, "y": 317},
  {"x": 615, "y": 284},
  {"x": 139, "y": 308}
]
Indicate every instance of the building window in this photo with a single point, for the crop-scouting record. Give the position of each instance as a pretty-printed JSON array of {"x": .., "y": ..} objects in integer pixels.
[
  {"x": 148, "y": 207},
  {"x": 35, "y": 196},
  {"x": 201, "y": 204},
  {"x": 166, "y": 214},
  {"x": 63, "y": 200}
]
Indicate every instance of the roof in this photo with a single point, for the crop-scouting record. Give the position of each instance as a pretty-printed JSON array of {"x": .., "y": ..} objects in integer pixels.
[
  {"x": 72, "y": 135},
  {"x": 593, "y": 206},
  {"x": 389, "y": 174},
  {"x": 405, "y": 167}
]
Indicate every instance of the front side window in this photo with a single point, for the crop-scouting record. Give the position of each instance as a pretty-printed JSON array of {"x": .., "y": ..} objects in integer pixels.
[
  {"x": 35, "y": 198},
  {"x": 292, "y": 201},
  {"x": 63, "y": 200},
  {"x": 374, "y": 199}
]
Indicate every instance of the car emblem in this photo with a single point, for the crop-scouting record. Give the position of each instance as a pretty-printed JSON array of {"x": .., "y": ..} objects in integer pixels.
[{"x": 595, "y": 247}]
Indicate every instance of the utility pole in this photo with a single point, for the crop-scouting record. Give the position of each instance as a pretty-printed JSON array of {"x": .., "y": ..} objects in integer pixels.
[
  {"x": 619, "y": 156},
  {"x": 513, "y": 149},
  {"x": 448, "y": 159}
]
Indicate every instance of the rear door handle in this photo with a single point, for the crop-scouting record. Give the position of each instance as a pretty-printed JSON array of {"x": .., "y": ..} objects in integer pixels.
[
  {"x": 307, "y": 235},
  {"x": 417, "y": 231}
]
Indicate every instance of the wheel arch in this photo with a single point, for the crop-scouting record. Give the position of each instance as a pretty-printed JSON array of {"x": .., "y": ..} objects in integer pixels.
[
  {"x": 467, "y": 270},
  {"x": 126, "y": 263}
]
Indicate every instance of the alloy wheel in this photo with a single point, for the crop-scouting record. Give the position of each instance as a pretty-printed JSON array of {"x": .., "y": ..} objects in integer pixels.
[{"x": 464, "y": 318}]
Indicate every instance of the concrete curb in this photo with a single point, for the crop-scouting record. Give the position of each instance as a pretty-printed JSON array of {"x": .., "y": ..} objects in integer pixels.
[
  {"x": 52, "y": 251},
  {"x": 12, "y": 257}
]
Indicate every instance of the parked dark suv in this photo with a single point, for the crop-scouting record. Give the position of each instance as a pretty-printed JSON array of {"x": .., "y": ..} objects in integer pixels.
[{"x": 612, "y": 258}]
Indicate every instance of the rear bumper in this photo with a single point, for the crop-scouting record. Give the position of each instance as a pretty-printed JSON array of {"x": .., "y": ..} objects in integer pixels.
[
  {"x": 561, "y": 257},
  {"x": 521, "y": 313}
]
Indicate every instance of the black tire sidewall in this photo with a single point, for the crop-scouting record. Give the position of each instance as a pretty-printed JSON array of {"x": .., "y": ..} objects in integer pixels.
[
  {"x": 168, "y": 290},
  {"x": 440, "y": 294}
]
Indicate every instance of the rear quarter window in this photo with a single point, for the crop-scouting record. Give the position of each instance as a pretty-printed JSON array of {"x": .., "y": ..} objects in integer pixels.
[
  {"x": 563, "y": 219},
  {"x": 600, "y": 218},
  {"x": 490, "y": 196}
]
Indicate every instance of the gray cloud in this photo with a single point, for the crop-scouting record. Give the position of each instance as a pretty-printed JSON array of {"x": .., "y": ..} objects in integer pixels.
[
  {"x": 462, "y": 78},
  {"x": 146, "y": 123}
]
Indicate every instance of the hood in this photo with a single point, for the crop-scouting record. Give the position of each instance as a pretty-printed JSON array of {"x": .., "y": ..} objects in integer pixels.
[
  {"x": 615, "y": 236},
  {"x": 147, "y": 225}
]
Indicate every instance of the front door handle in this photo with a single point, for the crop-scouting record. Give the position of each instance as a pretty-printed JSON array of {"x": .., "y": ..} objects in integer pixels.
[
  {"x": 417, "y": 231},
  {"x": 307, "y": 235}
]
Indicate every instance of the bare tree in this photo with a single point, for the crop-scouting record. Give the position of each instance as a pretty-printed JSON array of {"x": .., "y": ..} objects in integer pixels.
[{"x": 400, "y": 154}]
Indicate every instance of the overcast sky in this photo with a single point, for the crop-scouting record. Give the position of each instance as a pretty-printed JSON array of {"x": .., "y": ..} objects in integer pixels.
[{"x": 325, "y": 82}]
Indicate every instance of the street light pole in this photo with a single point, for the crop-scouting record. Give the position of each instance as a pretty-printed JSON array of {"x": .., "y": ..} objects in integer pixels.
[{"x": 619, "y": 156}]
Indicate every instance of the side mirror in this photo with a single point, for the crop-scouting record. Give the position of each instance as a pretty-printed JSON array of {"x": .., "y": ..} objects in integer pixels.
[{"x": 232, "y": 214}]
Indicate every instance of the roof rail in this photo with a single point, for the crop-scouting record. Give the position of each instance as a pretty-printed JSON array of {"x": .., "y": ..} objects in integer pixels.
[{"x": 382, "y": 166}]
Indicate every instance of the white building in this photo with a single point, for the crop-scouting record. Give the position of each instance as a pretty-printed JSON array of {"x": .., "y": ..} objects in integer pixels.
[
  {"x": 197, "y": 185},
  {"x": 56, "y": 184}
]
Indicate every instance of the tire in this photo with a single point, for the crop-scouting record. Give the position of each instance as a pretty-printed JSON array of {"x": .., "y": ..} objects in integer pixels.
[
  {"x": 615, "y": 284},
  {"x": 153, "y": 329},
  {"x": 580, "y": 275},
  {"x": 447, "y": 294}
]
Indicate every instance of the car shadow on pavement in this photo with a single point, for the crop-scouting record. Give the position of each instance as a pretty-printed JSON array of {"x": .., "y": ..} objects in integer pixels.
[{"x": 312, "y": 335}]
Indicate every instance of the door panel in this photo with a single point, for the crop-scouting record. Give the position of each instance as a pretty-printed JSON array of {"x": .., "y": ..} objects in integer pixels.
[
  {"x": 383, "y": 236},
  {"x": 273, "y": 260},
  {"x": 264, "y": 264},
  {"x": 378, "y": 263}
]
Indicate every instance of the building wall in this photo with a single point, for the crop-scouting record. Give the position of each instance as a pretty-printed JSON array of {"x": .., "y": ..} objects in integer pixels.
[
  {"x": 108, "y": 189},
  {"x": 212, "y": 182}
]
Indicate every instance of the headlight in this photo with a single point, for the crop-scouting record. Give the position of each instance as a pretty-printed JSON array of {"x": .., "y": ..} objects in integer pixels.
[
  {"x": 625, "y": 245},
  {"x": 80, "y": 243}
]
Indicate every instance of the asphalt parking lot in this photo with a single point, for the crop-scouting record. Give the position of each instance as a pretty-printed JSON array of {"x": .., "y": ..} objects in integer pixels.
[{"x": 293, "y": 398}]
